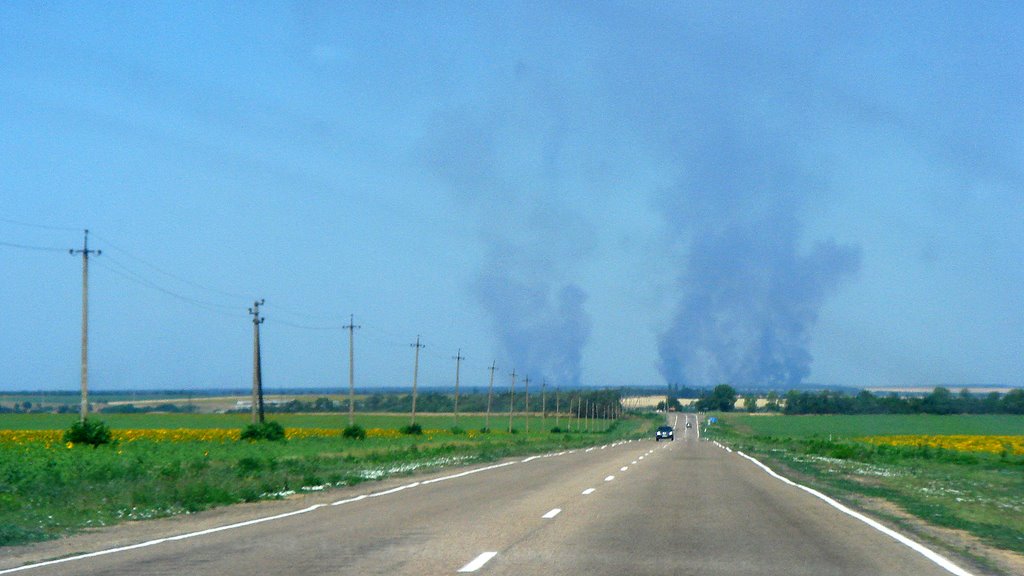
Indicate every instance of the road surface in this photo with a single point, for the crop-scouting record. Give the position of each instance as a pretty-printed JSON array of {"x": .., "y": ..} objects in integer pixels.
[{"x": 641, "y": 507}]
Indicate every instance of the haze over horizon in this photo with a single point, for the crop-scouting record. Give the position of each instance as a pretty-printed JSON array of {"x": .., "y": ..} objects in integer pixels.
[{"x": 609, "y": 194}]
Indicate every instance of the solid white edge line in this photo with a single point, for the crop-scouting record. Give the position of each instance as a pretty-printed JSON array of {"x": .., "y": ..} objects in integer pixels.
[
  {"x": 467, "y": 473},
  {"x": 240, "y": 524},
  {"x": 552, "y": 513},
  {"x": 478, "y": 562},
  {"x": 159, "y": 541},
  {"x": 938, "y": 559}
]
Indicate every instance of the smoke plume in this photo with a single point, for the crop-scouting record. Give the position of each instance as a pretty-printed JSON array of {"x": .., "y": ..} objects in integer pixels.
[
  {"x": 749, "y": 293},
  {"x": 504, "y": 163}
]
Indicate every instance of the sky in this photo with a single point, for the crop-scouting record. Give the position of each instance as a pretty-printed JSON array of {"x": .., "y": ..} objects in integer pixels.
[{"x": 599, "y": 194}]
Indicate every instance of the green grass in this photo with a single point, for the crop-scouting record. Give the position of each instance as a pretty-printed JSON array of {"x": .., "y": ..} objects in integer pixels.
[
  {"x": 46, "y": 492},
  {"x": 874, "y": 425},
  {"x": 979, "y": 493}
]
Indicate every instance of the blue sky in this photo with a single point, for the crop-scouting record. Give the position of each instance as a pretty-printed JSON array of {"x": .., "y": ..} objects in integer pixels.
[{"x": 607, "y": 194}]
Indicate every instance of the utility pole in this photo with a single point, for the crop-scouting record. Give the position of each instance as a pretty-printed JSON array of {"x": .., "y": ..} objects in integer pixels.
[
  {"x": 415, "y": 375},
  {"x": 458, "y": 362},
  {"x": 84, "y": 410},
  {"x": 490, "y": 394},
  {"x": 579, "y": 413},
  {"x": 257, "y": 369},
  {"x": 511, "y": 399},
  {"x": 543, "y": 405},
  {"x": 556, "y": 406},
  {"x": 351, "y": 371},
  {"x": 527, "y": 382}
]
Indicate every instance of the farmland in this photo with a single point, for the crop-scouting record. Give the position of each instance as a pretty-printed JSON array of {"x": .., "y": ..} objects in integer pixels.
[
  {"x": 961, "y": 473},
  {"x": 166, "y": 464}
]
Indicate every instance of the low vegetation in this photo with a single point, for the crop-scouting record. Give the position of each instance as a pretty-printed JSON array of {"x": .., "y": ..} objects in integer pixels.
[
  {"x": 962, "y": 472},
  {"x": 160, "y": 465}
]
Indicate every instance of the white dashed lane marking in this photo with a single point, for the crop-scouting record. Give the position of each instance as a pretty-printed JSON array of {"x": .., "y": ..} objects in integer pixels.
[
  {"x": 478, "y": 562},
  {"x": 554, "y": 512}
]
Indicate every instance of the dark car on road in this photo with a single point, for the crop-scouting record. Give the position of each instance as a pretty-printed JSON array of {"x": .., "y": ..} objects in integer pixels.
[{"x": 664, "y": 433}]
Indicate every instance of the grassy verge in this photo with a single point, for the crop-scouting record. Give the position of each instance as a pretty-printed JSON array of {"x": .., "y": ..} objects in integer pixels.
[
  {"x": 977, "y": 492},
  {"x": 48, "y": 489}
]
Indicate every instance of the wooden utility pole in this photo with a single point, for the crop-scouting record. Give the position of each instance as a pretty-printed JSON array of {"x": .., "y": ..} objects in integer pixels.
[
  {"x": 351, "y": 371},
  {"x": 257, "y": 370},
  {"x": 511, "y": 399},
  {"x": 415, "y": 375},
  {"x": 490, "y": 394},
  {"x": 526, "y": 381},
  {"x": 84, "y": 409},
  {"x": 458, "y": 362}
]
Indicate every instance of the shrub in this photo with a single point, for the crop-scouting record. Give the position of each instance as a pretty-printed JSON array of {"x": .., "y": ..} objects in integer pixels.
[
  {"x": 457, "y": 431},
  {"x": 485, "y": 430},
  {"x": 354, "y": 432},
  {"x": 412, "y": 429},
  {"x": 264, "y": 431},
  {"x": 556, "y": 430},
  {"x": 91, "y": 432}
]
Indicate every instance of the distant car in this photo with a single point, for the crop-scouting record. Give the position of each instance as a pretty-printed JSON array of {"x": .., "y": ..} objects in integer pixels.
[
  {"x": 664, "y": 433},
  {"x": 688, "y": 425}
]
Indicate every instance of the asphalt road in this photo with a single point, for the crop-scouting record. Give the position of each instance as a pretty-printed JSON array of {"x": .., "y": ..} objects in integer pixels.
[{"x": 682, "y": 507}]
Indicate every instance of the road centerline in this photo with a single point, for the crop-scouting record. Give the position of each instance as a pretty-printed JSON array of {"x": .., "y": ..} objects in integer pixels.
[
  {"x": 552, "y": 513},
  {"x": 478, "y": 562}
]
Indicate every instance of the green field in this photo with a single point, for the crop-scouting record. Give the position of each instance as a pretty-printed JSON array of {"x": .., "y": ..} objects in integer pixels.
[
  {"x": 499, "y": 422},
  {"x": 841, "y": 426},
  {"x": 48, "y": 489},
  {"x": 977, "y": 492}
]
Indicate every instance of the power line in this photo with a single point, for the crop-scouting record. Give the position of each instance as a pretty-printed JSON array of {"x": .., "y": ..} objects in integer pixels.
[
  {"x": 128, "y": 274},
  {"x": 168, "y": 274},
  {"x": 27, "y": 247},
  {"x": 40, "y": 226},
  {"x": 305, "y": 327}
]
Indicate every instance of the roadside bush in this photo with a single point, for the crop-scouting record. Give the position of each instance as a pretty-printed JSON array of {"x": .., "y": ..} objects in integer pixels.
[
  {"x": 485, "y": 430},
  {"x": 457, "y": 430},
  {"x": 91, "y": 432},
  {"x": 412, "y": 430},
  {"x": 556, "y": 430},
  {"x": 272, "y": 431},
  {"x": 354, "y": 432}
]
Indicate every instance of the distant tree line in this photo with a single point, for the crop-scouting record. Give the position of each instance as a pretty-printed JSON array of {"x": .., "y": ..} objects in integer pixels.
[
  {"x": 147, "y": 408},
  {"x": 603, "y": 400},
  {"x": 939, "y": 401}
]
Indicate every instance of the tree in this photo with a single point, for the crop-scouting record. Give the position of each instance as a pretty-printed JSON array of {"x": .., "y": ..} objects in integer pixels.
[
  {"x": 750, "y": 403},
  {"x": 722, "y": 398},
  {"x": 1013, "y": 402}
]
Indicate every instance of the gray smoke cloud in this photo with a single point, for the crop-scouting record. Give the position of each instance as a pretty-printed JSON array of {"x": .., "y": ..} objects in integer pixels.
[
  {"x": 504, "y": 164},
  {"x": 749, "y": 293}
]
